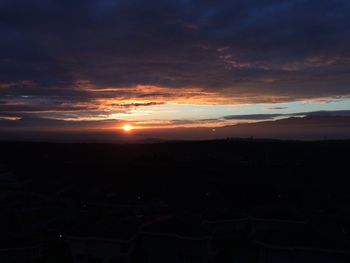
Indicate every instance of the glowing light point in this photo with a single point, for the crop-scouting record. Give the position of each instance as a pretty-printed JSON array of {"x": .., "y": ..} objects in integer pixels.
[{"x": 127, "y": 127}]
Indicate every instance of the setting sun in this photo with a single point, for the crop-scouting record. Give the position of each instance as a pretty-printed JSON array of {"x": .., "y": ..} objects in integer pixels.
[{"x": 127, "y": 127}]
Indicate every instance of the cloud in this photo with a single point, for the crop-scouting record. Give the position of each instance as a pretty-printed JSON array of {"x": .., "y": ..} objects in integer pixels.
[
  {"x": 137, "y": 104},
  {"x": 30, "y": 124},
  {"x": 252, "y": 117},
  {"x": 257, "y": 117},
  {"x": 339, "y": 113},
  {"x": 277, "y": 108},
  {"x": 106, "y": 55}
]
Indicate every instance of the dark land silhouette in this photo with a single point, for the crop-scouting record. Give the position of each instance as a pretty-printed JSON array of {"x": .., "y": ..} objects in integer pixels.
[{"x": 233, "y": 200}]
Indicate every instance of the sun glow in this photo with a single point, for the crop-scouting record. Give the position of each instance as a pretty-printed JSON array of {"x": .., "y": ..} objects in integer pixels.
[{"x": 127, "y": 127}]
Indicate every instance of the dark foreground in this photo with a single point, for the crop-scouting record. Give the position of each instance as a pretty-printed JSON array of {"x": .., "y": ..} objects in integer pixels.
[{"x": 215, "y": 201}]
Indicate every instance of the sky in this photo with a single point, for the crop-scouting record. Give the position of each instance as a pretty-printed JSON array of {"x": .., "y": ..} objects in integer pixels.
[{"x": 70, "y": 66}]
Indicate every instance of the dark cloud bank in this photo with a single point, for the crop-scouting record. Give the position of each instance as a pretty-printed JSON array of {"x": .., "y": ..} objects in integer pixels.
[
  {"x": 341, "y": 113},
  {"x": 293, "y": 49}
]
